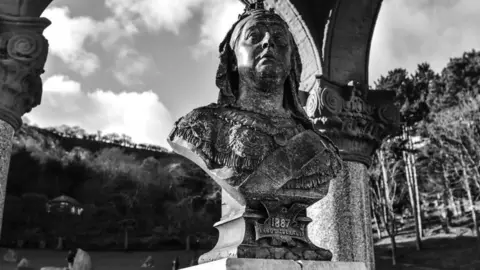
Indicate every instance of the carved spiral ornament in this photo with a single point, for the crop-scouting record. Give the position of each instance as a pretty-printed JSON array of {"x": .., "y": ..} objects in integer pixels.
[
  {"x": 389, "y": 114},
  {"x": 331, "y": 101},
  {"x": 312, "y": 103},
  {"x": 25, "y": 47}
]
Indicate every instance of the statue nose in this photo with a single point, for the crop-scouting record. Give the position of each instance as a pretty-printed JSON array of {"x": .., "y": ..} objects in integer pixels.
[{"x": 267, "y": 42}]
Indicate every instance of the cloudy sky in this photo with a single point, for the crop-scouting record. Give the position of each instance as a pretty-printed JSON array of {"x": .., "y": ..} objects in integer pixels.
[{"x": 135, "y": 66}]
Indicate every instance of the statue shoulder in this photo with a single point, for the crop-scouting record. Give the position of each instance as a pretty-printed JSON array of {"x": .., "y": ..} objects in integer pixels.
[
  {"x": 198, "y": 129},
  {"x": 198, "y": 123},
  {"x": 205, "y": 113}
]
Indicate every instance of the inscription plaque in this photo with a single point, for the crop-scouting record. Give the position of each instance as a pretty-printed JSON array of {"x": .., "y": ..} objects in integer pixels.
[{"x": 283, "y": 224}]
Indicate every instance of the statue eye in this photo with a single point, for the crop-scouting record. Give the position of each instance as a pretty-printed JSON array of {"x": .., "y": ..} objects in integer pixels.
[
  {"x": 281, "y": 40},
  {"x": 253, "y": 36}
]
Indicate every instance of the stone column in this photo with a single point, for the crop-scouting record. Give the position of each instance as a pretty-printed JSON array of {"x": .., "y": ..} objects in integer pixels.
[
  {"x": 23, "y": 52},
  {"x": 357, "y": 120}
]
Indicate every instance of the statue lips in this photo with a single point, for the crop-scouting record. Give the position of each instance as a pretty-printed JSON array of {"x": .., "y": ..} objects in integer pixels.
[{"x": 267, "y": 56}]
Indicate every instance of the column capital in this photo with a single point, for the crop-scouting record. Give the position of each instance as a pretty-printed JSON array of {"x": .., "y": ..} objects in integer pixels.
[
  {"x": 23, "y": 52},
  {"x": 354, "y": 118}
]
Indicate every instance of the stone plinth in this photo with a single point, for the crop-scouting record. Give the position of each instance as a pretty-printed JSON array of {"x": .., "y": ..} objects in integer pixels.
[{"x": 259, "y": 264}]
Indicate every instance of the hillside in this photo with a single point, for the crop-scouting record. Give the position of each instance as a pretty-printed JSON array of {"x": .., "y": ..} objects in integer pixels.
[{"x": 155, "y": 191}]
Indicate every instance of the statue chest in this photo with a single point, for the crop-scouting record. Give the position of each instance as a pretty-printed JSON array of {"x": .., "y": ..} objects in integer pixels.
[{"x": 252, "y": 137}]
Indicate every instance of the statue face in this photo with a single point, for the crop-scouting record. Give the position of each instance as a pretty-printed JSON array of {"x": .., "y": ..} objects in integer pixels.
[{"x": 263, "y": 52}]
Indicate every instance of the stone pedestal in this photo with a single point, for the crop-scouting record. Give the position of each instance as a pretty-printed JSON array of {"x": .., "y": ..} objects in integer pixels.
[
  {"x": 260, "y": 264},
  {"x": 23, "y": 52},
  {"x": 278, "y": 232}
]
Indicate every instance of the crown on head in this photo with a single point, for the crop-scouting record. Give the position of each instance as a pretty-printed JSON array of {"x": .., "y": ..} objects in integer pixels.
[{"x": 251, "y": 6}]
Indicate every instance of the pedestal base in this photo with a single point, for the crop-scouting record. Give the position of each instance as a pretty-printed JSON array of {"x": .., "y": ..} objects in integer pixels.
[
  {"x": 278, "y": 232},
  {"x": 262, "y": 264}
]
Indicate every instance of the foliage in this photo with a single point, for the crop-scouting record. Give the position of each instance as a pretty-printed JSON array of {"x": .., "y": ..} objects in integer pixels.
[
  {"x": 113, "y": 182},
  {"x": 441, "y": 111}
]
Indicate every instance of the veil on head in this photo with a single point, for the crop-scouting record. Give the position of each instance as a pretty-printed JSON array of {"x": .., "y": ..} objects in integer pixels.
[{"x": 227, "y": 78}]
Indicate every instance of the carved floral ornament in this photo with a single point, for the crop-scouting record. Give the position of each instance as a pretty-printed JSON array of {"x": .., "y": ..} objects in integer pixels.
[
  {"x": 23, "y": 52},
  {"x": 356, "y": 119}
]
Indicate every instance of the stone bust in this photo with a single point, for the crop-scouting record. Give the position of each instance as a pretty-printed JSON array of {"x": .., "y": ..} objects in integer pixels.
[{"x": 257, "y": 141}]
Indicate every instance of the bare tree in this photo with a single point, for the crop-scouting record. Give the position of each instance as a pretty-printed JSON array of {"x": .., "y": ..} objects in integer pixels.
[{"x": 385, "y": 189}]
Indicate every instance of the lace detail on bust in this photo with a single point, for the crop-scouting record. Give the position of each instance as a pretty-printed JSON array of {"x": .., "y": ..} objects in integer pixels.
[{"x": 228, "y": 137}]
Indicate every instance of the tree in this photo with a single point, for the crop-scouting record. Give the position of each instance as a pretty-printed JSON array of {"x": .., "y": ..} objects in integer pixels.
[
  {"x": 411, "y": 95},
  {"x": 458, "y": 80},
  {"x": 433, "y": 158},
  {"x": 385, "y": 175},
  {"x": 457, "y": 129}
]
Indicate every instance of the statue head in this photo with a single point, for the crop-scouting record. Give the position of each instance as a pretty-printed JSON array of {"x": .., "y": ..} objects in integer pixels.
[{"x": 259, "y": 50}]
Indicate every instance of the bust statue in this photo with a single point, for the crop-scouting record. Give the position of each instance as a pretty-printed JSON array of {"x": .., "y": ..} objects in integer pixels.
[{"x": 257, "y": 142}]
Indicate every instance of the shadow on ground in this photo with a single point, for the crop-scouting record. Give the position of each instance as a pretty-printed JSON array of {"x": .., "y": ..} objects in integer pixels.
[{"x": 439, "y": 252}]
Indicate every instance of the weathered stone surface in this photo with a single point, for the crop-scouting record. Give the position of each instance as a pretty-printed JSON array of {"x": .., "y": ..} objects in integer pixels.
[
  {"x": 260, "y": 264},
  {"x": 247, "y": 264},
  {"x": 356, "y": 119},
  {"x": 342, "y": 220},
  {"x": 6, "y": 136},
  {"x": 258, "y": 144},
  {"x": 281, "y": 235},
  {"x": 21, "y": 65},
  {"x": 311, "y": 265}
]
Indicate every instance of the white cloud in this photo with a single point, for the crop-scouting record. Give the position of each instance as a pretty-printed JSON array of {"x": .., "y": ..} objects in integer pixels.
[
  {"x": 154, "y": 14},
  {"x": 67, "y": 37},
  {"x": 139, "y": 115},
  {"x": 218, "y": 17},
  {"x": 130, "y": 65},
  {"x": 61, "y": 85},
  {"x": 110, "y": 31},
  {"x": 410, "y": 32}
]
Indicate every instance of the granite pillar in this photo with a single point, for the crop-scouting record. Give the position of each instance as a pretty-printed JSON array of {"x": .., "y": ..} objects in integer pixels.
[
  {"x": 356, "y": 120},
  {"x": 342, "y": 220},
  {"x": 6, "y": 135},
  {"x": 23, "y": 52}
]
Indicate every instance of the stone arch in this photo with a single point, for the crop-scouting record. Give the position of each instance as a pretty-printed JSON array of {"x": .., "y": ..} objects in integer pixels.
[{"x": 333, "y": 36}]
